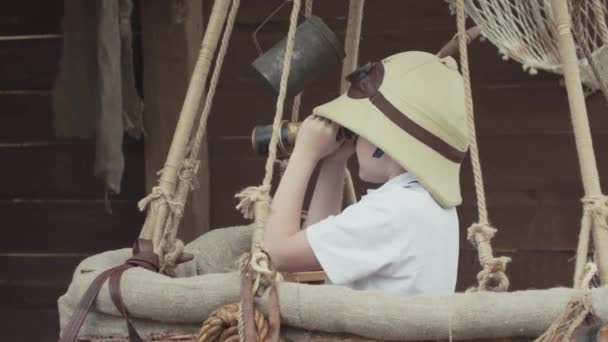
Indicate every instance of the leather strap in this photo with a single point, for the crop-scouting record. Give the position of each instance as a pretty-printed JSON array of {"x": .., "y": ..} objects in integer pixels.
[
  {"x": 247, "y": 306},
  {"x": 116, "y": 296},
  {"x": 413, "y": 129},
  {"x": 143, "y": 256},
  {"x": 71, "y": 330},
  {"x": 274, "y": 315}
]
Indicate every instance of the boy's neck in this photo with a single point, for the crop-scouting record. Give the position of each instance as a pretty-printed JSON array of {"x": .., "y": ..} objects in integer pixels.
[{"x": 394, "y": 170}]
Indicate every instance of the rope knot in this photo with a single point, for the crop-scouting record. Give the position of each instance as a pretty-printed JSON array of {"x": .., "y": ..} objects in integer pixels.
[
  {"x": 249, "y": 196},
  {"x": 597, "y": 207},
  {"x": 188, "y": 170},
  {"x": 157, "y": 194},
  {"x": 260, "y": 264},
  {"x": 480, "y": 232},
  {"x": 493, "y": 277},
  {"x": 172, "y": 253},
  {"x": 176, "y": 208}
]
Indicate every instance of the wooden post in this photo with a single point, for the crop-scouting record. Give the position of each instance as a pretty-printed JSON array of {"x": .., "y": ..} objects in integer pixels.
[
  {"x": 170, "y": 52},
  {"x": 582, "y": 135}
]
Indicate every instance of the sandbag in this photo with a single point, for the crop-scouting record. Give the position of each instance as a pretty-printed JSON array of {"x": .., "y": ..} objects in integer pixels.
[{"x": 162, "y": 304}]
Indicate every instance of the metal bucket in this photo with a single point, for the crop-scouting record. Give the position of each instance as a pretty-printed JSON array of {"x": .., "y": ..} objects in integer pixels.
[{"x": 316, "y": 52}]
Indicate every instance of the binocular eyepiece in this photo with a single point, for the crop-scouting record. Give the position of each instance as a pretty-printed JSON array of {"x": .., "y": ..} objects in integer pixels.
[{"x": 261, "y": 135}]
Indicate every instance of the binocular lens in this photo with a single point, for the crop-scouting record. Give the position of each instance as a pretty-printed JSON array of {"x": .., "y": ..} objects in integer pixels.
[{"x": 261, "y": 135}]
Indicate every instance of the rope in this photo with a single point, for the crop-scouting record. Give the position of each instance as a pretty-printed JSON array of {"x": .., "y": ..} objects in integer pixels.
[
  {"x": 599, "y": 11},
  {"x": 351, "y": 46},
  {"x": 464, "y": 64},
  {"x": 582, "y": 134},
  {"x": 351, "y": 41},
  {"x": 222, "y": 325},
  {"x": 492, "y": 276},
  {"x": 297, "y": 101},
  {"x": 276, "y": 126},
  {"x": 582, "y": 249},
  {"x": 255, "y": 201},
  {"x": 202, "y": 128}
]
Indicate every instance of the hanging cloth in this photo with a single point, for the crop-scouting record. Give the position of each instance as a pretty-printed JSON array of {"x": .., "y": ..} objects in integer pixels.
[{"x": 95, "y": 94}]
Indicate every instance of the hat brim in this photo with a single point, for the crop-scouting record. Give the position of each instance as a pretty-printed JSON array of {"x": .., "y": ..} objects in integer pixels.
[{"x": 440, "y": 176}]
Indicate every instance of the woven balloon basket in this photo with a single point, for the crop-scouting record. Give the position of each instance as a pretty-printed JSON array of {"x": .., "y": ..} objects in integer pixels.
[
  {"x": 173, "y": 337},
  {"x": 312, "y": 337},
  {"x": 163, "y": 338}
]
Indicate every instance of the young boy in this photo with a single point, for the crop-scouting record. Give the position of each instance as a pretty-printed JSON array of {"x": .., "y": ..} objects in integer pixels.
[{"x": 408, "y": 115}]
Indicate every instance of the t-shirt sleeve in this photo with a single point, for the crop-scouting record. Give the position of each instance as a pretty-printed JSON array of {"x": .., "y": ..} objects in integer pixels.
[{"x": 356, "y": 243}]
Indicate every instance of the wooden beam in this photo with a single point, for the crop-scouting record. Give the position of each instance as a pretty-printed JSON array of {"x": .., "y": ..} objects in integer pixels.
[{"x": 171, "y": 42}]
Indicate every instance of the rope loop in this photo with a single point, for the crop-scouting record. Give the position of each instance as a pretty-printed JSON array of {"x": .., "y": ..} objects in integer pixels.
[
  {"x": 188, "y": 170},
  {"x": 479, "y": 233},
  {"x": 157, "y": 196},
  {"x": 249, "y": 196},
  {"x": 597, "y": 207},
  {"x": 160, "y": 196},
  {"x": 173, "y": 250},
  {"x": 264, "y": 276},
  {"x": 493, "y": 277}
]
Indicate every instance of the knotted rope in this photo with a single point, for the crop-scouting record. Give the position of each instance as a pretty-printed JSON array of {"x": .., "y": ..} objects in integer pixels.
[
  {"x": 492, "y": 276},
  {"x": 222, "y": 325},
  {"x": 297, "y": 101},
  {"x": 575, "y": 313},
  {"x": 595, "y": 214},
  {"x": 256, "y": 200}
]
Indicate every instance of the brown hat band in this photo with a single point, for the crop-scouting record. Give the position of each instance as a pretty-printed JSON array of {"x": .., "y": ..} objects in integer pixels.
[
  {"x": 413, "y": 129},
  {"x": 366, "y": 82}
]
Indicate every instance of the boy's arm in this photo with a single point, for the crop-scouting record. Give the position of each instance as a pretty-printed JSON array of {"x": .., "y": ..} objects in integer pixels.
[
  {"x": 328, "y": 194},
  {"x": 286, "y": 244}
]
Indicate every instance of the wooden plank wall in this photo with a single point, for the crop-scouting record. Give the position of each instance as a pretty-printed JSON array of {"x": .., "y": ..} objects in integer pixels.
[{"x": 53, "y": 208}]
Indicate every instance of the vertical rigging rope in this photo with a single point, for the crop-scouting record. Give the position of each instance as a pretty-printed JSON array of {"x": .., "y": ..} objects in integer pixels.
[{"x": 492, "y": 277}]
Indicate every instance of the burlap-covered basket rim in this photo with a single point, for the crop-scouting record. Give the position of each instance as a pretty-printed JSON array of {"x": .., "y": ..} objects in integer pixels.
[{"x": 160, "y": 304}]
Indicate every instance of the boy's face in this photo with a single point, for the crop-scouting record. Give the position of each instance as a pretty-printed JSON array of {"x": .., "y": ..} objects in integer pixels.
[{"x": 371, "y": 169}]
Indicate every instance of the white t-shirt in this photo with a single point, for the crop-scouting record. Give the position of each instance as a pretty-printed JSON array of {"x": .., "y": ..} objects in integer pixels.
[{"x": 397, "y": 239}]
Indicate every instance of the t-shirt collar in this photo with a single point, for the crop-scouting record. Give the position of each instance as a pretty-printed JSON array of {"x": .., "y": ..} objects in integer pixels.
[{"x": 405, "y": 180}]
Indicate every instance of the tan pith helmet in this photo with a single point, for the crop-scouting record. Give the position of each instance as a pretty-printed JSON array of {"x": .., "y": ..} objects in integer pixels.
[{"x": 412, "y": 106}]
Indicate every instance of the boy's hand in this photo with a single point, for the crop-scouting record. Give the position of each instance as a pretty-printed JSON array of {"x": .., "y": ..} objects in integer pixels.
[
  {"x": 344, "y": 152},
  {"x": 317, "y": 137}
]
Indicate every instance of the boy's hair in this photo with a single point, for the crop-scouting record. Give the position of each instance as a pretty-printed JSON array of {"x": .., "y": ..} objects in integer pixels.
[{"x": 411, "y": 105}]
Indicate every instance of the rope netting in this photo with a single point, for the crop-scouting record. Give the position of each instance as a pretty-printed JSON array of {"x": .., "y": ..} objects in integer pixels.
[{"x": 525, "y": 31}]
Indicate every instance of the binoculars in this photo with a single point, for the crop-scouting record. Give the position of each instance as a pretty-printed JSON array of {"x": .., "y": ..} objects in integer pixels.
[{"x": 261, "y": 135}]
